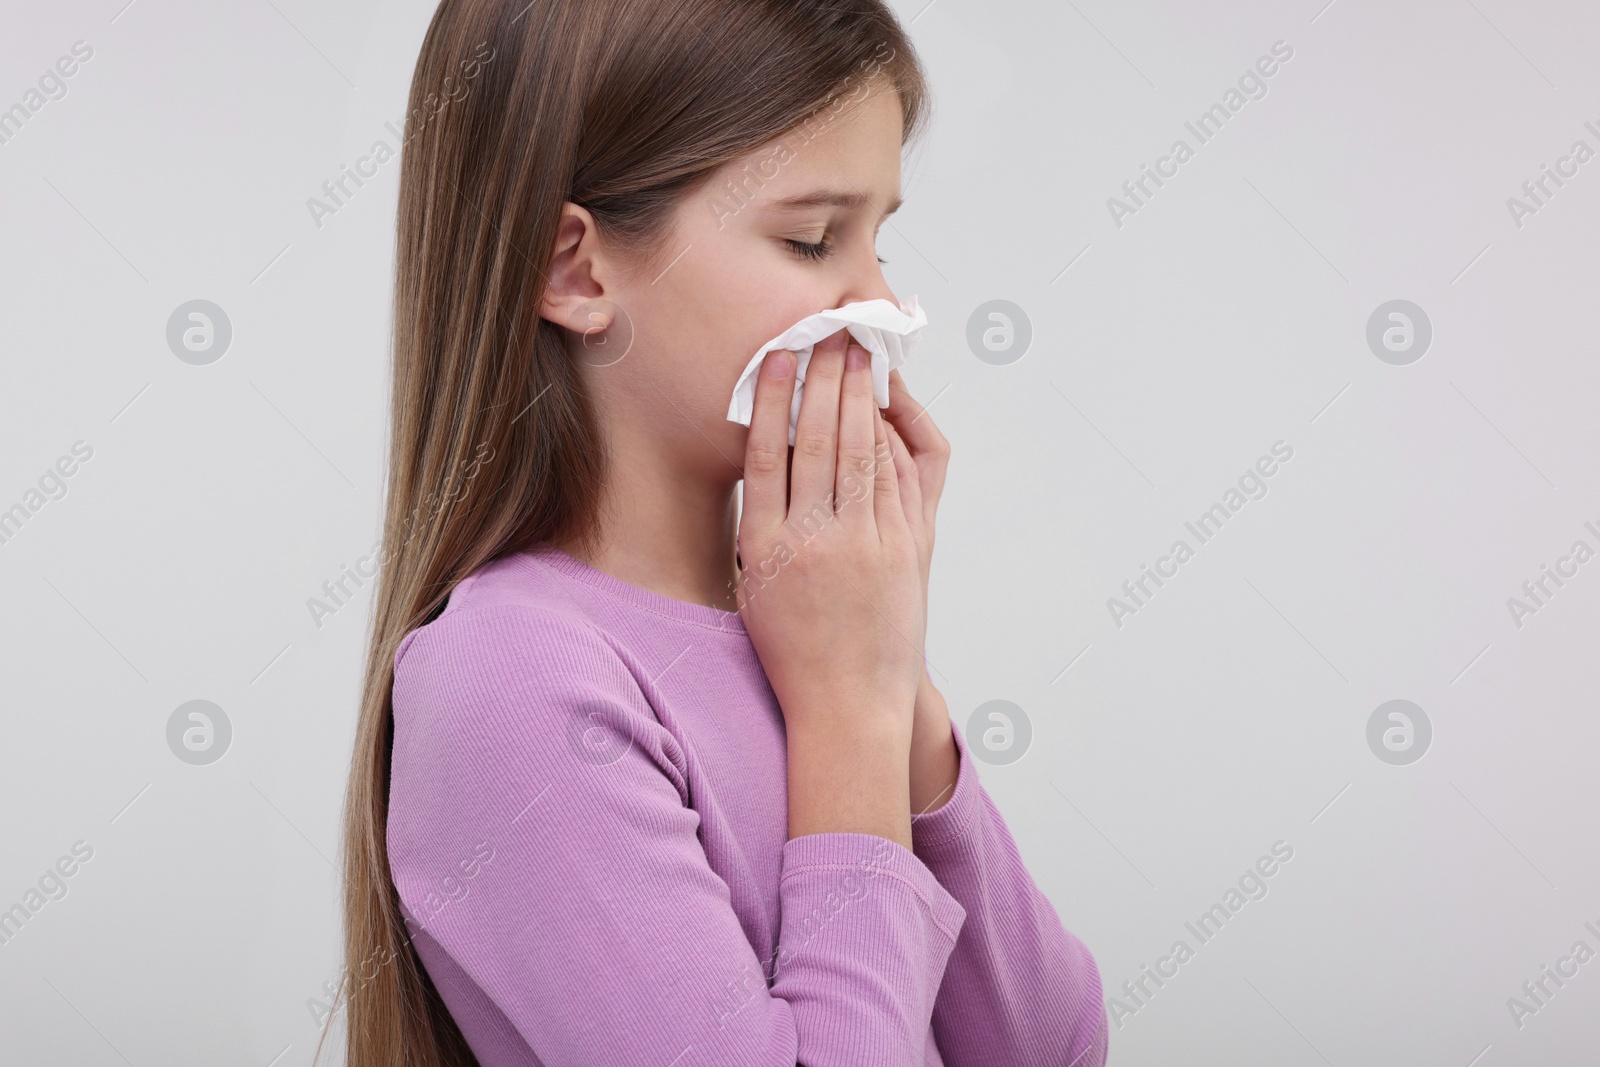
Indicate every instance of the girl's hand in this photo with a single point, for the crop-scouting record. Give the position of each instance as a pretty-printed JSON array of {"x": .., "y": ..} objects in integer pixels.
[
  {"x": 921, "y": 457},
  {"x": 833, "y": 581}
]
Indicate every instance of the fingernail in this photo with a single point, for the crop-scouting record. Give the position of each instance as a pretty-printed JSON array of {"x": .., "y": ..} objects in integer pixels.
[
  {"x": 855, "y": 358},
  {"x": 779, "y": 363}
]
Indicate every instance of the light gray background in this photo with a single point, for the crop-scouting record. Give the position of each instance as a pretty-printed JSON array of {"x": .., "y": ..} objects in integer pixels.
[{"x": 1167, "y": 355}]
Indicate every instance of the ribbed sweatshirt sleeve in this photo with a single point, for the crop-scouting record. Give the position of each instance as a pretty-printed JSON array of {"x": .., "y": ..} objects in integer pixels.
[
  {"x": 1019, "y": 989},
  {"x": 597, "y": 928}
]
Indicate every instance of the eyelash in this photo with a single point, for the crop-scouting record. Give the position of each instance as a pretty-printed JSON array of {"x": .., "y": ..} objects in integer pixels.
[{"x": 820, "y": 250}]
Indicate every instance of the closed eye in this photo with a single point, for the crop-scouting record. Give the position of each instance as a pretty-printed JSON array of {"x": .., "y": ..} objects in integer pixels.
[
  {"x": 815, "y": 251},
  {"x": 808, "y": 250}
]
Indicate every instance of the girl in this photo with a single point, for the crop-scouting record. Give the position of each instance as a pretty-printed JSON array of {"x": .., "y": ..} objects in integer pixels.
[{"x": 642, "y": 777}]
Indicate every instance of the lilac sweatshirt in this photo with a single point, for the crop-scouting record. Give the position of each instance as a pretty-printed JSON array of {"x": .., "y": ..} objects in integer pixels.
[{"x": 588, "y": 829}]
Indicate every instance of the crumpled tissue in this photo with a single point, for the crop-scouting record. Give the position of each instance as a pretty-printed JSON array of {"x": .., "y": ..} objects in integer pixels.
[{"x": 888, "y": 333}]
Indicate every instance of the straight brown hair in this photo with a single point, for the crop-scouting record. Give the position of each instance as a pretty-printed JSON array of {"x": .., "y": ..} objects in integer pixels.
[{"x": 622, "y": 107}]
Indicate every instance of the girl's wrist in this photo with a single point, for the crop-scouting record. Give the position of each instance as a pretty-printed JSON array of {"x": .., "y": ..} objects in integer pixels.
[{"x": 935, "y": 760}]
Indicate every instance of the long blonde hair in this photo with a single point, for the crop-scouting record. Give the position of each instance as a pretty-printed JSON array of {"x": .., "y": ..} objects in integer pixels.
[{"x": 622, "y": 107}]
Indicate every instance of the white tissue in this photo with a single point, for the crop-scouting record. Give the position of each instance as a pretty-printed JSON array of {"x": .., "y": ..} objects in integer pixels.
[{"x": 888, "y": 333}]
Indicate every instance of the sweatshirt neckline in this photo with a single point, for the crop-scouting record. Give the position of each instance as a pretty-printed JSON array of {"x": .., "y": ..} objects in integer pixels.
[{"x": 659, "y": 603}]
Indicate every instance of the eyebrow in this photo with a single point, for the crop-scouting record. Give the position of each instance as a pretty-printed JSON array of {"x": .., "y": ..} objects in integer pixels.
[{"x": 832, "y": 198}]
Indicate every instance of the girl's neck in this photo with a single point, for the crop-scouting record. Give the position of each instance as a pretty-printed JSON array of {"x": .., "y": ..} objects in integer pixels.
[{"x": 679, "y": 545}]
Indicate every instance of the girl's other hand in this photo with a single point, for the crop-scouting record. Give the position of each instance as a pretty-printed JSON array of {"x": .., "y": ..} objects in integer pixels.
[{"x": 921, "y": 458}]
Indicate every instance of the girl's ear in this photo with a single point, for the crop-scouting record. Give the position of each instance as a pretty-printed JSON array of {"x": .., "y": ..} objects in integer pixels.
[
  {"x": 572, "y": 278},
  {"x": 604, "y": 329}
]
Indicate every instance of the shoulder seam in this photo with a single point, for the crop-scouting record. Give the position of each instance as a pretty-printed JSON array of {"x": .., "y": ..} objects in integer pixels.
[{"x": 469, "y": 612}]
